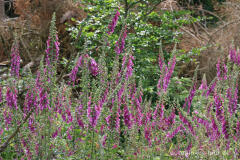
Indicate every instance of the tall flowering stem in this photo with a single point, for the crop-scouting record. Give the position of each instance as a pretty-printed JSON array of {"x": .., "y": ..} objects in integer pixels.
[
  {"x": 129, "y": 67},
  {"x": 15, "y": 59},
  {"x": 120, "y": 45},
  {"x": 74, "y": 71},
  {"x": 164, "y": 80},
  {"x": 11, "y": 98},
  {"x": 93, "y": 67},
  {"x": 113, "y": 24},
  {"x": 52, "y": 51},
  {"x": 1, "y": 96}
]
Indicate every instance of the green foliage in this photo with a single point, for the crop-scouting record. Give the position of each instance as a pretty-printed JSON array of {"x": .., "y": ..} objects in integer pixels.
[{"x": 147, "y": 27}]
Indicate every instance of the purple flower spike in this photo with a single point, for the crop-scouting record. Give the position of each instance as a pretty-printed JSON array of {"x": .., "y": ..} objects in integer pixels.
[
  {"x": 175, "y": 132},
  {"x": 57, "y": 44},
  {"x": 232, "y": 54},
  {"x": 215, "y": 132},
  {"x": 113, "y": 24},
  {"x": 147, "y": 131},
  {"x": 93, "y": 67},
  {"x": 89, "y": 110},
  {"x": 127, "y": 117},
  {"x": 160, "y": 62},
  {"x": 52, "y": 51},
  {"x": 123, "y": 40},
  {"x": 129, "y": 67},
  {"x": 1, "y": 94},
  {"x": 117, "y": 49},
  {"x": 104, "y": 141},
  {"x": 170, "y": 69},
  {"x": 15, "y": 60},
  {"x": 73, "y": 74},
  {"x": 118, "y": 120},
  {"x": 211, "y": 89},
  {"x": 120, "y": 45},
  {"x": 11, "y": 98},
  {"x": 225, "y": 129}
]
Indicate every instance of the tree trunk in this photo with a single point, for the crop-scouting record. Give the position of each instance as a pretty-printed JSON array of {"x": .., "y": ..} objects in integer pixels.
[{"x": 2, "y": 10}]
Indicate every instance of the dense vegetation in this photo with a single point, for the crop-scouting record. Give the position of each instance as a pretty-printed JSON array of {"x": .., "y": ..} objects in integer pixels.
[{"x": 121, "y": 96}]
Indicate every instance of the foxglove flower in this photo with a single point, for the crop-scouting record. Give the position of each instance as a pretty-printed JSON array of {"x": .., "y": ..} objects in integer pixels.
[
  {"x": 169, "y": 73},
  {"x": 73, "y": 74},
  {"x": 1, "y": 131},
  {"x": 31, "y": 125},
  {"x": 215, "y": 131},
  {"x": 160, "y": 63},
  {"x": 139, "y": 117},
  {"x": 93, "y": 67},
  {"x": 30, "y": 101},
  {"x": 175, "y": 132},
  {"x": 129, "y": 67},
  {"x": 104, "y": 141},
  {"x": 120, "y": 93},
  {"x": 225, "y": 129},
  {"x": 123, "y": 62},
  {"x": 187, "y": 123},
  {"x": 89, "y": 110},
  {"x": 232, "y": 54},
  {"x": 238, "y": 128},
  {"x": 15, "y": 60},
  {"x": 52, "y": 51},
  {"x": 211, "y": 89},
  {"x": 161, "y": 112},
  {"x": 118, "y": 120},
  {"x": 48, "y": 52},
  {"x": 225, "y": 71},
  {"x": 107, "y": 119},
  {"x": 55, "y": 134},
  {"x": 127, "y": 117},
  {"x": 189, "y": 147},
  {"x": 189, "y": 99},
  {"x": 113, "y": 24},
  {"x": 205, "y": 123},
  {"x": 68, "y": 133},
  {"x": 155, "y": 113},
  {"x": 219, "y": 108},
  {"x": 203, "y": 85},
  {"x": 117, "y": 49},
  {"x": 1, "y": 97},
  {"x": 57, "y": 44},
  {"x": 171, "y": 119},
  {"x": 119, "y": 46},
  {"x": 123, "y": 40},
  {"x": 147, "y": 131},
  {"x": 11, "y": 98},
  {"x": 8, "y": 118},
  {"x": 98, "y": 109},
  {"x": 44, "y": 101}
]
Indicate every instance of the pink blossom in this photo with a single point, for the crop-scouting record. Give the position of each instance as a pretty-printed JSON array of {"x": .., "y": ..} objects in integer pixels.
[
  {"x": 93, "y": 67},
  {"x": 15, "y": 60},
  {"x": 113, "y": 24},
  {"x": 73, "y": 74}
]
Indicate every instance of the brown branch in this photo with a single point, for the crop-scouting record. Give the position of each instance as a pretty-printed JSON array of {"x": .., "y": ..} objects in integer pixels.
[
  {"x": 5, "y": 145},
  {"x": 222, "y": 27}
]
